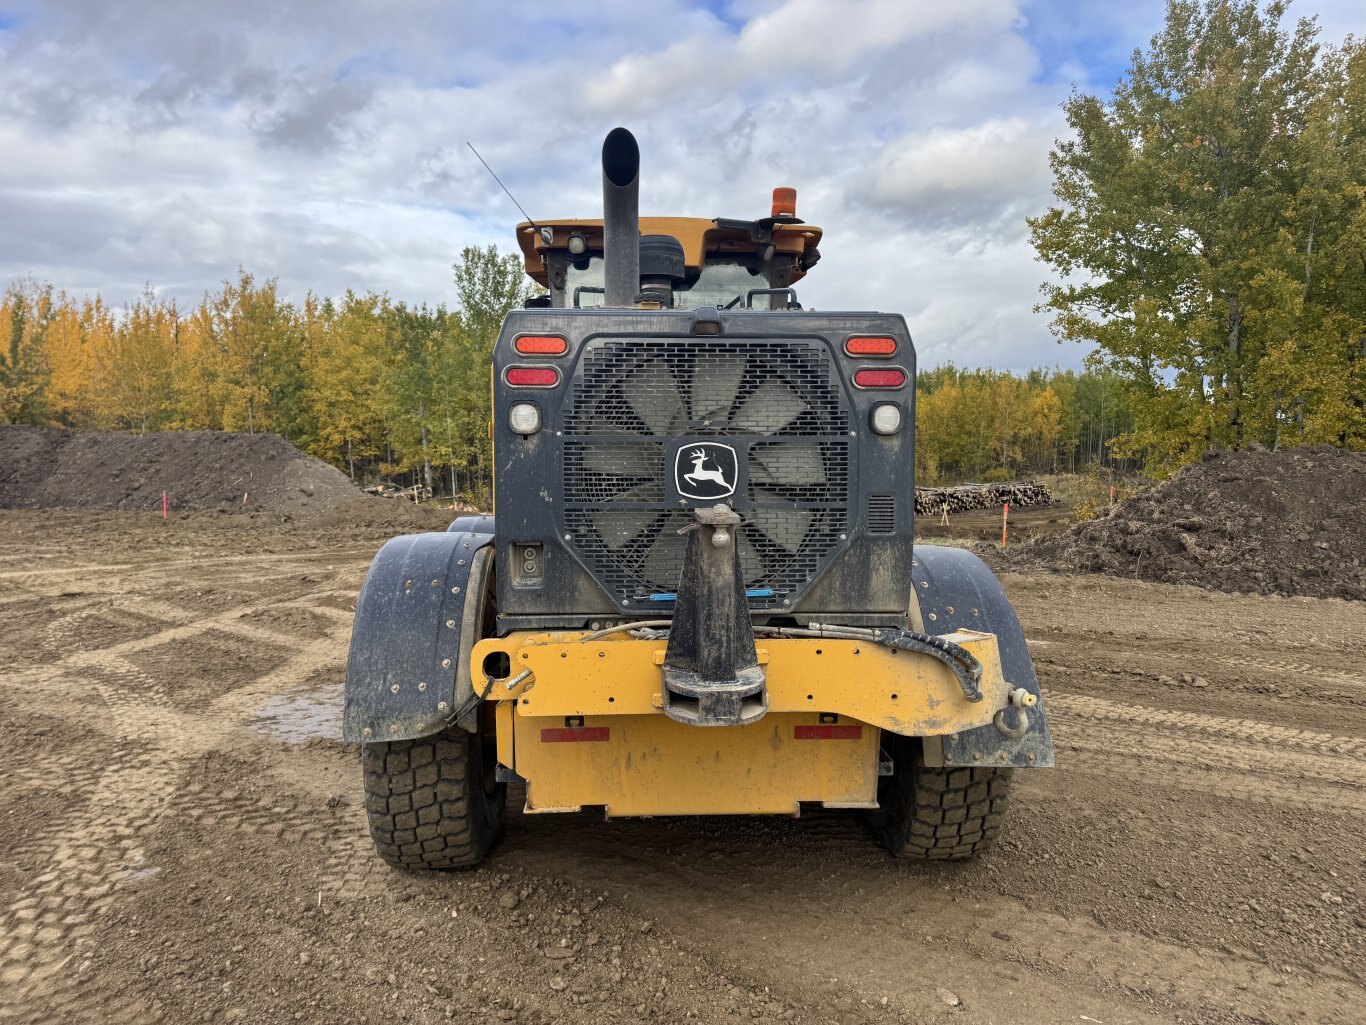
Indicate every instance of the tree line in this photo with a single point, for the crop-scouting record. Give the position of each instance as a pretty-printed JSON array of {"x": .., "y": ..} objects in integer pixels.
[
  {"x": 382, "y": 389},
  {"x": 992, "y": 425},
  {"x": 375, "y": 387}
]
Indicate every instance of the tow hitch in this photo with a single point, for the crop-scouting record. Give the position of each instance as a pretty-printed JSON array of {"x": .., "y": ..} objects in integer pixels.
[{"x": 712, "y": 675}]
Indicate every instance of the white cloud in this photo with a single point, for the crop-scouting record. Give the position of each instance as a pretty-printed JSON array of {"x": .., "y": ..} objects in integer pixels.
[
  {"x": 325, "y": 143},
  {"x": 980, "y": 174}
]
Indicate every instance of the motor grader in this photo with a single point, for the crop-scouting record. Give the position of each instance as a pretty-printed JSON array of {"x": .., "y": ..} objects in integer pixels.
[{"x": 699, "y": 592}]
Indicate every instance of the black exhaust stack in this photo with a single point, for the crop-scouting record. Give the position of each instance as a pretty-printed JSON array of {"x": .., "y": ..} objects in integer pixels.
[{"x": 621, "y": 217}]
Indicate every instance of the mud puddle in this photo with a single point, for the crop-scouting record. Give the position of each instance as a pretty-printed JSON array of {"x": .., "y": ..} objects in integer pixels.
[{"x": 313, "y": 712}]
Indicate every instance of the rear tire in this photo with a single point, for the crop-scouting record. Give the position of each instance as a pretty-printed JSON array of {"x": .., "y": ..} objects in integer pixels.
[
  {"x": 948, "y": 814},
  {"x": 433, "y": 802}
]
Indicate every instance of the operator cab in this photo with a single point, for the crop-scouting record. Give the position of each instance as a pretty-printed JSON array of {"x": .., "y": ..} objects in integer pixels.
[{"x": 685, "y": 262}]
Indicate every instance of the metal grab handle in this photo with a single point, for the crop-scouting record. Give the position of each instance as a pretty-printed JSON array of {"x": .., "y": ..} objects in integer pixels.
[{"x": 1021, "y": 700}]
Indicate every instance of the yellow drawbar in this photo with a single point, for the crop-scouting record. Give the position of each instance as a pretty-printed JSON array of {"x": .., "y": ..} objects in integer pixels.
[{"x": 581, "y": 719}]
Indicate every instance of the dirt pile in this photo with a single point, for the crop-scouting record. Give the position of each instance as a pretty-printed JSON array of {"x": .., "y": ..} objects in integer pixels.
[
  {"x": 1290, "y": 522},
  {"x": 46, "y": 467}
]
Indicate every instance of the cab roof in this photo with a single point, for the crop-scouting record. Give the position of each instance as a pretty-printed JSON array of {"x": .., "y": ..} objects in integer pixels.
[{"x": 699, "y": 236}]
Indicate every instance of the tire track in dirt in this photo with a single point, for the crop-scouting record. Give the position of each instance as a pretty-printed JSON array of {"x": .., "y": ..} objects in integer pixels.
[
  {"x": 1292, "y": 669},
  {"x": 95, "y": 854},
  {"x": 1243, "y": 776},
  {"x": 196, "y": 563},
  {"x": 1078, "y": 707}
]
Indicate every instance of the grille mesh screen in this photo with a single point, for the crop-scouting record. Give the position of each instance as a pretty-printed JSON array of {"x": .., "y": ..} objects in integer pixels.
[{"x": 777, "y": 402}]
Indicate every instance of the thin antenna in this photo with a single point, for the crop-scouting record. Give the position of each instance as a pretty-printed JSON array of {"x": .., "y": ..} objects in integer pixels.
[{"x": 545, "y": 233}]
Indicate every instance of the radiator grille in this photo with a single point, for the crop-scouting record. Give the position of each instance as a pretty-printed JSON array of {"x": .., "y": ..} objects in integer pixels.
[{"x": 779, "y": 403}]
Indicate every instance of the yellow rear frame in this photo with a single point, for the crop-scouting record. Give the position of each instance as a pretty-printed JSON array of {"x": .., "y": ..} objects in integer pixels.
[{"x": 581, "y": 719}]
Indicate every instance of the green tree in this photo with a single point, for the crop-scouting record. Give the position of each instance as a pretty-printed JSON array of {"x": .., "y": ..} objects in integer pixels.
[
  {"x": 259, "y": 357},
  {"x": 1207, "y": 210}
]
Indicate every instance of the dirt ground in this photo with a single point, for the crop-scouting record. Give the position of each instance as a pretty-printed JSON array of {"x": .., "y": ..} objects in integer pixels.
[
  {"x": 1289, "y": 522},
  {"x": 182, "y": 839},
  {"x": 222, "y": 471},
  {"x": 984, "y": 525}
]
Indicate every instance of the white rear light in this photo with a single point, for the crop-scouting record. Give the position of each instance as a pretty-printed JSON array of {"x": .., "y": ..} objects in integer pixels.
[
  {"x": 524, "y": 418},
  {"x": 886, "y": 418}
]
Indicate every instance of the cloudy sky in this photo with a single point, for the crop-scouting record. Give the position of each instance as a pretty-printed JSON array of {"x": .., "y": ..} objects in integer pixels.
[{"x": 323, "y": 143}]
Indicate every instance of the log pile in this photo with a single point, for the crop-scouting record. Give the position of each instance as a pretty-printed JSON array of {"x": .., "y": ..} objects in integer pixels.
[
  {"x": 961, "y": 498},
  {"x": 416, "y": 493}
]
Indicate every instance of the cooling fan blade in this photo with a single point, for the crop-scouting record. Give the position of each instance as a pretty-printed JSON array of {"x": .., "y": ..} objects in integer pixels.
[
  {"x": 631, "y": 460},
  {"x": 619, "y": 527},
  {"x": 663, "y": 563},
  {"x": 715, "y": 383},
  {"x": 769, "y": 408},
  {"x": 751, "y": 561},
  {"x": 797, "y": 465},
  {"x": 654, "y": 395},
  {"x": 786, "y": 527}
]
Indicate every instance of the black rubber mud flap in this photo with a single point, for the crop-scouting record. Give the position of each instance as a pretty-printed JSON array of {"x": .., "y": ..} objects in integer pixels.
[
  {"x": 417, "y": 619},
  {"x": 955, "y": 590}
]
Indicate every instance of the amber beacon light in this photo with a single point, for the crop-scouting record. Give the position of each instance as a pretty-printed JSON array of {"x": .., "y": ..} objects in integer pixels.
[{"x": 784, "y": 202}]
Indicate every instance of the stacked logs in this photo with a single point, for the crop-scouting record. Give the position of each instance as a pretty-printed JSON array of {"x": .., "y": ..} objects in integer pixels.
[{"x": 930, "y": 501}]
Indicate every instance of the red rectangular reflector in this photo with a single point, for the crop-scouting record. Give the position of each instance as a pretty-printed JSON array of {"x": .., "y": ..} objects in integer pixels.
[
  {"x": 868, "y": 377},
  {"x": 575, "y": 734},
  {"x": 870, "y": 346},
  {"x": 541, "y": 345},
  {"x": 851, "y": 732},
  {"x": 533, "y": 377}
]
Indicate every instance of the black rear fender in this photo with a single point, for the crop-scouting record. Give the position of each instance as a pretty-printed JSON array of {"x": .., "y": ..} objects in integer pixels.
[
  {"x": 423, "y": 605},
  {"x": 954, "y": 590}
]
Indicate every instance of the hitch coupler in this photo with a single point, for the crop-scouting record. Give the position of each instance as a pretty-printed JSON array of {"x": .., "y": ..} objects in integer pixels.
[{"x": 712, "y": 675}]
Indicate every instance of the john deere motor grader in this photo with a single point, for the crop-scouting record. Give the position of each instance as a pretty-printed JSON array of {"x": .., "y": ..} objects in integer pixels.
[{"x": 698, "y": 593}]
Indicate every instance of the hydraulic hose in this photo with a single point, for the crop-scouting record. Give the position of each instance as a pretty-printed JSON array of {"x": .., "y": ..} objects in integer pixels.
[{"x": 964, "y": 665}]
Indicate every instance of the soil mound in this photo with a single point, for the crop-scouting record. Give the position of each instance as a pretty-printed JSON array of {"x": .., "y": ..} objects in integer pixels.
[
  {"x": 1288, "y": 522},
  {"x": 46, "y": 467}
]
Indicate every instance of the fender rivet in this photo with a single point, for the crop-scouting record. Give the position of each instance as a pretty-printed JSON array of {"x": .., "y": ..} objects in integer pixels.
[
  {"x": 441, "y": 706},
  {"x": 394, "y": 728},
  {"x": 394, "y": 689},
  {"x": 445, "y": 663},
  {"x": 1031, "y": 758},
  {"x": 422, "y": 686},
  {"x": 460, "y": 562},
  {"x": 367, "y": 732},
  {"x": 450, "y": 624}
]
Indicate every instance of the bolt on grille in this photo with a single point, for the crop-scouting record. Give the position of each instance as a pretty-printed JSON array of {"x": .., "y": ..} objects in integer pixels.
[{"x": 779, "y": 403}]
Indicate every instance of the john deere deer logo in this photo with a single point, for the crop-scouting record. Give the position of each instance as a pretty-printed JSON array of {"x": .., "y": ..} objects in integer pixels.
[{"x": 712, "y": 474}]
